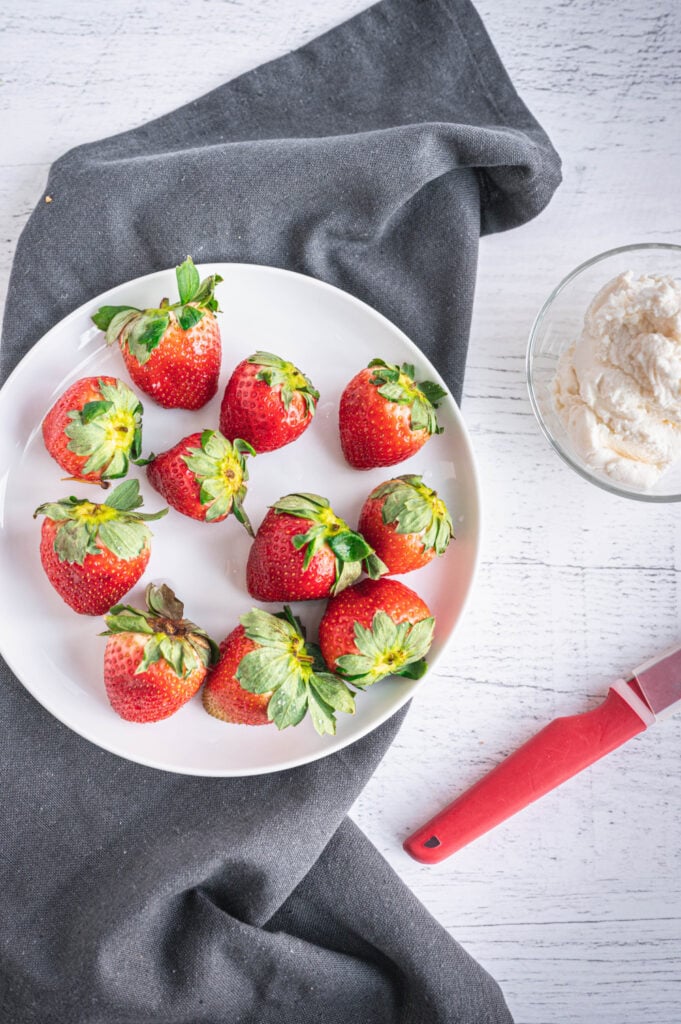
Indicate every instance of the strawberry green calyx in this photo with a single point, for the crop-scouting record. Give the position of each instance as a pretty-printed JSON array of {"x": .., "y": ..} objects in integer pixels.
[
  {"x": 141, "y": 330},
  {"x": 115, "y": 525},
  {"x": 398, "y": 384},
  {"x": 387, "y": 649},
  {"x": 181, "y": 643},
  {"x": 220, "y": 469},
  {"x": 412, "y": 507},
  {"x": 278, "y": 373},
  {"x": 351, "y": 551},
  {"x": 108, "y": 432},
  {"x": 293, "y": 671}
]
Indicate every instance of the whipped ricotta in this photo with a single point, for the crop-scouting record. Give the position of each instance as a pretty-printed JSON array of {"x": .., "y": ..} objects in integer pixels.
[{"x": 617, "y": 389}]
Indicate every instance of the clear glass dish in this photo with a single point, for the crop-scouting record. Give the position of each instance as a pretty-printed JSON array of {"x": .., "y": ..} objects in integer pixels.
[{"x": 559, "y": 324}]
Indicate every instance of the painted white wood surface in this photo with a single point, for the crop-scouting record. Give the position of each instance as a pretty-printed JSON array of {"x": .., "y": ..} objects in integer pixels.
[{"x": 575, "y": 905}]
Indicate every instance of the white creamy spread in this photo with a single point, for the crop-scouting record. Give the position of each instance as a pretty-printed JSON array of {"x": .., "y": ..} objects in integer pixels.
[{"x": 618, "y": 388}]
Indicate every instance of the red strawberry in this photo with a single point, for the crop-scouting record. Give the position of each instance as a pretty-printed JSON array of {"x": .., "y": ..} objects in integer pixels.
[
  {"x": 267, "y": 402},
  {"x": 204, "y": 477},
  {"x": 303, "y": 551},
  {"x": 173, "y": 352},
  {"x": 155, "y": 660},
  {"x": 268, "y": 673},
  {"x": 406, "y": 523},
  {"x": 375, "y": 629},
  {"x": 94, "y": 554},
  {"x": 95, "y": 429},
  {"x": 385, "y": 416},
  {"x": 223, "y": 696}
]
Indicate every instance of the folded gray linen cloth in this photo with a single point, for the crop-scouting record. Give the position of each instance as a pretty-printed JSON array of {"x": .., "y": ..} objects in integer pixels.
[{"x": 372, "y": 158}]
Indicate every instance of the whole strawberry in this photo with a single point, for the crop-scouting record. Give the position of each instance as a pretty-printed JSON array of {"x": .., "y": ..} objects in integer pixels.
[
  {"x": 204, "y": 477},
  {"x": 94, "y": 554},
  {"x": 267, "y": 672},
  {"x": 155, "y": 660},
  {"x": 386, "y": 416},
  {"x": 94, "y": 430},
  {"x": 268, "y": 402},
  {"x": 223, "y": 696},
  {"x": 172, "y": 352},
  {"x": 303, "y": 551},
  {"x": 406, "y": 523},
  {"x": 376, "y": 629}
]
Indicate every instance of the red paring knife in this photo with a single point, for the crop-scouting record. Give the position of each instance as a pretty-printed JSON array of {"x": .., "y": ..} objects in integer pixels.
[{"x": 563, "y": 749}]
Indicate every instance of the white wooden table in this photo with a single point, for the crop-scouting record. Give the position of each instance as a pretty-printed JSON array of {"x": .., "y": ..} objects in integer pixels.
[{"x": 575, "y": 905}]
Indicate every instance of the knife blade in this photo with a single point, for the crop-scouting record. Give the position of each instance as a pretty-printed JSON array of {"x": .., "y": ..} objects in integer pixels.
[{"x": 558, "y": 752}]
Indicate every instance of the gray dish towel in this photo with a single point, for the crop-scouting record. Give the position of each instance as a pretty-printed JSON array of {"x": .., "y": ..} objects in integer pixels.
[{"x": 372, "y": 158}]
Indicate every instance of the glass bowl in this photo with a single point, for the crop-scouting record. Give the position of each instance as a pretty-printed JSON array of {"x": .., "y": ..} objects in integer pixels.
[{"x": 559, "y": 323}]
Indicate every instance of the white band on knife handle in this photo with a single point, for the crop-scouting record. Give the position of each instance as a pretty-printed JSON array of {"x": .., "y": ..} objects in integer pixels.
[{"x": 622, "y": 687}]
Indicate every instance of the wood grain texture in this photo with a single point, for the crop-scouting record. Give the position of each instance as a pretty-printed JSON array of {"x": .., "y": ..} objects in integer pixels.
[{"x": 575, "y": 905}]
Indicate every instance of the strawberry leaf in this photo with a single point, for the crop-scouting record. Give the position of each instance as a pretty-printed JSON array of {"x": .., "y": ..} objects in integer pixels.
[
  {"x": 321, "y": 713},
  {"x": 188, "y": 280},
  {"x": 152, "y": 654},
  {"x": 387, "y": 648},
  {"x": 105, "y": 314},
  {"x": 350, "y": 550},
  {"x": 386, "y": 370},
  {"x": 241, "y": 517},
  {"x": 204, "y": 296},
  {"x": 286, "y": 615},
  {"x": 347, "y": 573},
  {"x": 124, "y": 619},
  {"x": 398, "y": 385},
  {"x": 189, "y": 316},
  {"x": 288, "y": 705},
  {"x": 91, "y": 410},
  {"x": 57, "y": 511},
  {"x": 106, "y": 432},
  {"x": 125, "y": 497},
  {"x": 207, "y": 651},
  {"x": 412, "y": 507},
  {"x": 433, "y": 392},
  {"x": 265, "y": 669},
  {"x": 291, "y": 670},
  {"x": 270, "y": 630},
  {"x": 349, "y": 546},
  {"x": 415, "y": 670},
  {"x": 306, "y": 506},
  {"x": 375, "y": 567},
  {"x": 353, "y": 667},
  {"x": 119, "y": 324},
  {"x": 219, "y": 468},
  {"x": 73, "y": 542},
  {"x": 144, "y": 334},
  {"x": 333, "y": 692},
  {"x": 114, "y": 524},
  {"x": 175, "y": 651},
  {"x": 312, "y": 541},
  {"x": 126, "y": 540},
  {"x": 162, "y": 601},
  {"x": 177, "y": 641},
  {"x": 420, "y": 637},
  {"x": 181, "y": 657},
  {"x": 395, "y": 393},
  {"x": 278, "y": 373}
]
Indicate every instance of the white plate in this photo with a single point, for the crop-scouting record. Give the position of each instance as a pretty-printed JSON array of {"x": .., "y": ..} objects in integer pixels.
[{"x": 57, "y": 654}]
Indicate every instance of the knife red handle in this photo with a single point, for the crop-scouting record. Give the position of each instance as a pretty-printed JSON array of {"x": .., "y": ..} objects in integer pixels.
[{"x": 554, "y": 755}]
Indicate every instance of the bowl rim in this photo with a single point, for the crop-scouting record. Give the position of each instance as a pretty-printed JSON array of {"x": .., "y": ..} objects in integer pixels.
[{"x": 611, "y": 488}]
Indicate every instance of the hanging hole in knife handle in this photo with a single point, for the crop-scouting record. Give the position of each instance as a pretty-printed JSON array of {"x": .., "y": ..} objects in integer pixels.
[{"x": 432, "y": 842}]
